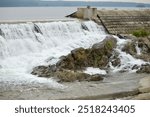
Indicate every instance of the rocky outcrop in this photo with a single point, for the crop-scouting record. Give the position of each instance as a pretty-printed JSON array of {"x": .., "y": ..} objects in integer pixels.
[
  {"x": 97, "y": 56},
  {"x": 143, "y": 43},
  {"x": 70, "y": 67}
]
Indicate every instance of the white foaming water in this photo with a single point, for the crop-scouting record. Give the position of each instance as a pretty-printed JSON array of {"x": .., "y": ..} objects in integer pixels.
[
  {"x": 138, "y": 50},
  {"x": 127, "y": 61},
  {"x": 92, "y": 71},
  {"x": 23, "y": 47}
]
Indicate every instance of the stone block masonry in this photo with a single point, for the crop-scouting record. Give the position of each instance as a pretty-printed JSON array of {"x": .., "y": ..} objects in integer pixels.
[
  {"x": 125, "y": 21},
  {"x": 116, "y": 21}
]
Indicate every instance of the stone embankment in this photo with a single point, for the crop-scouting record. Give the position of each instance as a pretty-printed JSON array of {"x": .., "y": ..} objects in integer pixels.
[
  {"x": 117, "y": 21},
  {"x": 125, "y": 21}
]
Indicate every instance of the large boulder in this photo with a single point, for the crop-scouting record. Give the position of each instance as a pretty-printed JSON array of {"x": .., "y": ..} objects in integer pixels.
[
  {"x": 97, "y": 56},
  {"x": 70, "y": 67}
]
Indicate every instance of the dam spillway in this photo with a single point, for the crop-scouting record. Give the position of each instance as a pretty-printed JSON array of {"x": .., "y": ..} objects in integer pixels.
[
  {"x": 25, "y": 45},
  {"x": 125, "y": 21},
  {"x": 22, "y": 46},
  {"x": 116, "y": 21}
]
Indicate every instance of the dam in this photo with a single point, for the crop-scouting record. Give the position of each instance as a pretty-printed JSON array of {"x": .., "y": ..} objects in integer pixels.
[
  {"x": 116, "y": 21},
  {"x": 27, "y": 44}
]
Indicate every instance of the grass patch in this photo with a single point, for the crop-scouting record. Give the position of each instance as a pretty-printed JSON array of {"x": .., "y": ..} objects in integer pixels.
[{"x": 141, "y": 33}]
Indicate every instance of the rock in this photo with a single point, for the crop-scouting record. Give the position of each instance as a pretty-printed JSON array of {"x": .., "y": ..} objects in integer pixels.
[
  {"x": 135, "y": 67},
  {"x": 80, "y": 58},
  {"x": 130, "y": 48},
  {"x": 108, "y": 43},
  {"x": 69, "y": 67},
  {"x": 97, "y": 56},
  {"x": 145, "y": 57},
  {"x": 144, "y": 69},
  {"x": 64, "y": 75},
  {"x": 39, "y": 70},
  {"x": 115, "y": 60},
  {"x": 52, "y": 68},
  {"x": 66, "y": 62},
  {"x": 144, "y": 44},
  {"x": 70, "y": 76},
  {"x": 96, "y": 77}
]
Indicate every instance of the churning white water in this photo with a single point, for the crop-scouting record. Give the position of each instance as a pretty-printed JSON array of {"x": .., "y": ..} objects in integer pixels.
[
  {"x": 127, "y": 60},
  {"x": 26, "y": 45}
]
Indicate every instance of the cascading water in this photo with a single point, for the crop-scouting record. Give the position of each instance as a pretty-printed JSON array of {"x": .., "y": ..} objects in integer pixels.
[
  {"x": 26, "y": 45},
  {"x": 127, "y": 60}
]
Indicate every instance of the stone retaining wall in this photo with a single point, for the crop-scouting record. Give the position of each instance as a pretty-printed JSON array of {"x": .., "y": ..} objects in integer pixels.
[{"x": 125, "y": 21}]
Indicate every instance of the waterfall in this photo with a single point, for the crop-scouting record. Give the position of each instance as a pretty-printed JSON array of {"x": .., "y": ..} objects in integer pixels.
[
  {"x": 26, "y": 45},
  {"x": 127, "y": 60}
]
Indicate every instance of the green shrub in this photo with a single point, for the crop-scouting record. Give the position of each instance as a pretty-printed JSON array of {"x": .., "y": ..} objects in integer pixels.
[{"x": 141, "y": 33}]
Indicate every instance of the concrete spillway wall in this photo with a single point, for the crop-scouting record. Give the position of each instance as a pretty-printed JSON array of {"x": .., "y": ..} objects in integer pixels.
[
  {"x": 117, "y": 21},
  {"x": 125, "y": 21}
]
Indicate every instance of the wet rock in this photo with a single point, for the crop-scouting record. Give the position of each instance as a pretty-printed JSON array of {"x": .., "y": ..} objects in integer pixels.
[
  {"x": 97, "y": 56},
  {"x": 64, "y": 75},
  {"x": 66, "y": 62},
  {"x": 69, "y": 67},
  {"x": 39, "y": 70},
  {"x": 70, "y": 76},
  {"x": 135, "y": 67},
  {"x": 144, "y": 44},
  {"x": 115, "y": 60},
  {"x": 96, "y": 77},
  {"x": 144, "y": 69},
  {"x": 145, "y": 57},
  {"x": 130, "y": 48}
]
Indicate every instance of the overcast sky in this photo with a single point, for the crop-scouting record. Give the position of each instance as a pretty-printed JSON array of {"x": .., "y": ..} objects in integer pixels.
[{"x": 142, "y": 1}]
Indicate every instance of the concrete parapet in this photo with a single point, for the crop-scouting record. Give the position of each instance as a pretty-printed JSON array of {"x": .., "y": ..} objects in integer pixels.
[{"x": 85, "y": 13}]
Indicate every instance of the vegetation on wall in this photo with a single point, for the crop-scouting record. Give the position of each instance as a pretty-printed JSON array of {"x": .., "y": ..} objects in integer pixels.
[{"x": 141, "y": 33}]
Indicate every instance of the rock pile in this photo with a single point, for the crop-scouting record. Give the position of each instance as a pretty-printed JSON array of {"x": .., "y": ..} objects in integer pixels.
[
  {"x": 143, "y": 43},
  {"x": 70, "y": 67}
]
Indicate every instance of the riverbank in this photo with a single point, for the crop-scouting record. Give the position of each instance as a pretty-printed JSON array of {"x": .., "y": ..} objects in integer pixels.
[{"x": 114, "y": 86}]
